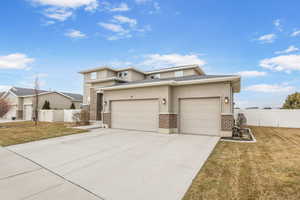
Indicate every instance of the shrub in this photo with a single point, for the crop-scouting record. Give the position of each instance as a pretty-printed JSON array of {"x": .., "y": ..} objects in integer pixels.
[
  {"x": 292, "y": 101},
  {"x": 82, "y": 118},
  {"x": 72, "y": 106},
  {"x": 46, "y": 105},
  {"x": 4, "y": 107}
]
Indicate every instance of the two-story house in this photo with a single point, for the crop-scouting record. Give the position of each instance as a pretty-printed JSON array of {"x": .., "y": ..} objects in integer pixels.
[{"x": 172, "y": 100}]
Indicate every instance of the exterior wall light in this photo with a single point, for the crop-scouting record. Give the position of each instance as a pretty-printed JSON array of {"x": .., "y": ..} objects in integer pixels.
[
  {"x": 226, "y": 100},
  {"x": 105, "y": 102},
  {"x": 164, "y": 101}
]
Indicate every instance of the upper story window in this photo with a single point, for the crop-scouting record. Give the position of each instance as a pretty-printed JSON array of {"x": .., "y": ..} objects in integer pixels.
[
  {"x": 178, "y": 73},
  {"x": 93, "y": 75},
  {"x": 155, "y": 76},
  {"x": 123, "y": 74}
]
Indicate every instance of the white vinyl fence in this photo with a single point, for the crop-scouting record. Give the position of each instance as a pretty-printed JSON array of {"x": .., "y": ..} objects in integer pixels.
[
  {"x": 68, "y": 115},
  {"x": 272, "y": 118},
  {"x": 57, "y": 115}
]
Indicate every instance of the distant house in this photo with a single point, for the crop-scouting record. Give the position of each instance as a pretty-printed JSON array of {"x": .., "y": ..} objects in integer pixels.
[{"x": 22, "y": 101}]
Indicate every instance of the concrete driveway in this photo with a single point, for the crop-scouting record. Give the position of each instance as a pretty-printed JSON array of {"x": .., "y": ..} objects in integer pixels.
[{"x": 108, "y": 164}]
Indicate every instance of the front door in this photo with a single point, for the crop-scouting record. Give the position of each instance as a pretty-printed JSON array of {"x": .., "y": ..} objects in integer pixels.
[{"x": 99, "y": 106}]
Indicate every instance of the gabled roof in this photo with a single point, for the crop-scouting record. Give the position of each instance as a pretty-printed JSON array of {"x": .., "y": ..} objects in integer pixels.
[
  {"x": 75, "y": 97},
  {"x": 23, "y": 92}
]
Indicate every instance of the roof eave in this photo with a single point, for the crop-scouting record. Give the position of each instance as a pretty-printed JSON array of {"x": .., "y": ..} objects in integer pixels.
[
  {"x": 177, "y": 68},
  {"x": 106, "y": 80},
  {"x": 179, "y": 83}
]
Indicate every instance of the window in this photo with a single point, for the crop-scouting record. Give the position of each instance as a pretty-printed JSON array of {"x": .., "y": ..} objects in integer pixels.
[
  {"x": 178, "y": 73},
  {"x": 94, "y": 75},
  {"x": 122, "y": 74},
  {"x": 155, "y": 76}
]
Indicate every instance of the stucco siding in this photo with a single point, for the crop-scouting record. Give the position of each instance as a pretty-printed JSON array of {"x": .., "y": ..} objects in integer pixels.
[
  {"x": 57, "y": 101},
  {"x": 102, "y": 84},
  {"x": 135, "y": 76},
  {"x": 159, "y": 92},
  {"x": 201, "y": 91}
]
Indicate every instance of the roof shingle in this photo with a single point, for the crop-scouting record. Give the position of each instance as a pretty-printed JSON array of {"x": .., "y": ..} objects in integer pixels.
[{"x": 28, "y": 91}]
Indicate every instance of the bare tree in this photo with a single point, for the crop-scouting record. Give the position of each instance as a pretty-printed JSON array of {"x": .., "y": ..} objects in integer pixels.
[
  {"x": 36, "y": 101},
  {"x": 4, "y": 107}
]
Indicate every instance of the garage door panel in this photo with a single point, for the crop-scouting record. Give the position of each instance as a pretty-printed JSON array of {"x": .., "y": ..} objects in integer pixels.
[
  {"x": 27, "y": 112},
  {"x": 200, "y": 116},
  {"x": 135, "y": 115}
]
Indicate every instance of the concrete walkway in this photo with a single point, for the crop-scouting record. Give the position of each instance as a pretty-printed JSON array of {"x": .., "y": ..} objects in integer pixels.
[
  {"x": 21, "y": 178},
  {"x": 111, "y": 164}
]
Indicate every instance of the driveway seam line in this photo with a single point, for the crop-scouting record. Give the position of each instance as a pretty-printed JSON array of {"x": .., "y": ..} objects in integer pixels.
[
  {"x": 96, "y": 195},
  {"x": 42, "y": 191},
  {"x": 18, "y": 174}
]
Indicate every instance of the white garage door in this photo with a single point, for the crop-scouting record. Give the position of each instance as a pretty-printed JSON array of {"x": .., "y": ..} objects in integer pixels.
[
  {"x": 200, "y": 116},
  {"x": 135, "y": 115},
  {"x": 27, "y": 112}
]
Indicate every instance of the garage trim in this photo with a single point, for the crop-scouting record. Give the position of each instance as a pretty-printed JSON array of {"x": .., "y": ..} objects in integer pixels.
[
  {"x": 139, "y": 99},
  {"x": 188, "y": 98}
]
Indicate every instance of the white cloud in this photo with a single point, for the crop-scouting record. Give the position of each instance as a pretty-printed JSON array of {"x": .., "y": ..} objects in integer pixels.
[
  {"x": 267, "y": 88},
  {"x": 61, "y": 10},
  {"x": 167, "y": 60},
  {"x": 268, "y": 38},
  {"x": 123, "y": 27},
  {"x": 15, "y": 61},
  {"x": 113, "y": 27},
  {"x": 68, "y": 3},
  {"x": 277, "y": 24},
  {"x": 251, "y": 73},
  {"x": 59, "y": 14},
  {"x": 295, "y": 33},
  {"x": 125, "y": 20},
  {"x": 288, "y": 50},
  {"x": 156, "y": 6},
  {"x": 75, "y": 34},
  {"x": 142, "y": 1},
  {"x": 285, "y": 63},
  {"x": 122, "y": 7}
]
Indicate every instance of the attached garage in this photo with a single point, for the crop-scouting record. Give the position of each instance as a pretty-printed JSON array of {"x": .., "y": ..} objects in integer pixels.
[
  {"x": 27, "y": 112},
  {"x": 135, "y": 115},
  {"x": 200, "y": 116}
]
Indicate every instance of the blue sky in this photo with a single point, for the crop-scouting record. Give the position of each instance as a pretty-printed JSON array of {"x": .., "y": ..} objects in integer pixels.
[{"x": 55, "y": 39}]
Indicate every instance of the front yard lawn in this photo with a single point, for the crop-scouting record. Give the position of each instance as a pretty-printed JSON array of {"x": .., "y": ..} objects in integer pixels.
[
  {"x": 21, "y": 132},
  {"x": 268, "y": 169}
]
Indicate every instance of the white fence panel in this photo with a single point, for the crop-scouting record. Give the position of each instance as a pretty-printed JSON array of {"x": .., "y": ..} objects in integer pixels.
[
  {"x": 273, "y": 118},
  {"x": 51, "y": 115},
  {"x": 68, "y": 115}
]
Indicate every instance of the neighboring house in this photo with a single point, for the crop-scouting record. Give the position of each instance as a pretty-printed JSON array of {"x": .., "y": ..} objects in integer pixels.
[
  {"x": 172, "y": 100},
  {"x": 22, "y": 101}
]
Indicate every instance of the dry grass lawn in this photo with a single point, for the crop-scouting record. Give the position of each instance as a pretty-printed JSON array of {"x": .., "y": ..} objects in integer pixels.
[
  {"x": 21, "y": 132},
  {"x": 266, "y": 170}
]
